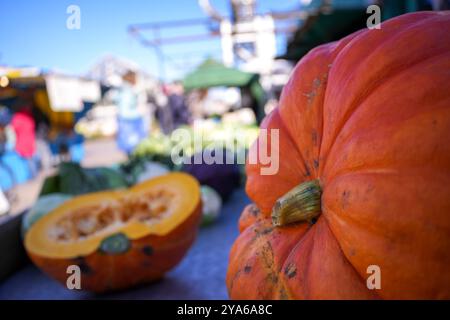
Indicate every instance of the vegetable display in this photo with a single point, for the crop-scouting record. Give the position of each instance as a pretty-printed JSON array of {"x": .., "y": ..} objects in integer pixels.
[
  {"x": 119, "y": 238},
  {"x": 363, "y": 186},
  {"x": 209, "y": 135},
  {"x": 205, "y": 139},
  {"x": 75, "y": 180}
]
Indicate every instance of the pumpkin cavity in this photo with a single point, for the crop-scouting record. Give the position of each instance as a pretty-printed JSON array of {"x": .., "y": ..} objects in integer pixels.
[{"x": 87, "y": 221}]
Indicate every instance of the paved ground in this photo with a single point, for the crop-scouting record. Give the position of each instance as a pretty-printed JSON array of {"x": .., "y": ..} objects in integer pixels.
[
  {"x": 101, "y": 152},
  {"x": 201, "y": 275}
]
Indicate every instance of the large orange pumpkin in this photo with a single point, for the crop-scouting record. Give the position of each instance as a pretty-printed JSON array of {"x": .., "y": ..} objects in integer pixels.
[
  {"x": 119, "y": 239},
  {"x": 364, "y": 173}
]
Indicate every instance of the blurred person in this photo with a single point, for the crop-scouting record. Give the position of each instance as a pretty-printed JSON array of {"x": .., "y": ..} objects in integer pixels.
[
  {"x": 176, "y": 113},
  {"x": 195, "y": 101},
  {"x": 63, "y": 141},
  {"x": 24, "y": 128},
  {"x": 131, "y": 126},
  {"x": 126, "y": 97},
  {"x": 178, "y": 107},
  {"x": 163, "y": 113},
  {"x": 159, "y": 100},
  {"x": 145, "y": 105}
]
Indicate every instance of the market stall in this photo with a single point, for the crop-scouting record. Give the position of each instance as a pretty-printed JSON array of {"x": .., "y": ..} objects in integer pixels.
[
  {"x": 212, "y": 74},
  {"x": 56, "y": 103}
]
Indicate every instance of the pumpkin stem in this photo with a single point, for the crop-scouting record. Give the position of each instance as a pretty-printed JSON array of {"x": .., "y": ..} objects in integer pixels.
[{"x": 302, "y": 203}]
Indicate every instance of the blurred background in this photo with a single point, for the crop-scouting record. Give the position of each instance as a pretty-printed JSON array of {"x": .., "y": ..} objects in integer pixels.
[{"x": 95, "y": 88}]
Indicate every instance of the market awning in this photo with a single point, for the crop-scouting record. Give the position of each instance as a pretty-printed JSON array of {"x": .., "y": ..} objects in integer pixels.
[
  {"x": 323, "y": 28},
  {"x": 212, "y": 73},
  {"x": 59, "y": 98}
]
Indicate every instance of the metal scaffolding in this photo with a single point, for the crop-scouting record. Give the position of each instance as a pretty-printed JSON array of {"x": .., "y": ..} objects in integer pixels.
[{"x": 247, "y": 39}]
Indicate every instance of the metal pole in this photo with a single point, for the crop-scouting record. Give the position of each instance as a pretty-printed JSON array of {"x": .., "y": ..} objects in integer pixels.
[{"x": 159, "y": 55}]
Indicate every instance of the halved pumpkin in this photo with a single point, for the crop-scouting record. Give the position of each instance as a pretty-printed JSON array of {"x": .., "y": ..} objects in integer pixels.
[{"x": 120, "y": 238}]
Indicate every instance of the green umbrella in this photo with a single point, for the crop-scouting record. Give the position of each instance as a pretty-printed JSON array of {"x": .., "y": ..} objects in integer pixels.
[{"x": 212, "y": 73}]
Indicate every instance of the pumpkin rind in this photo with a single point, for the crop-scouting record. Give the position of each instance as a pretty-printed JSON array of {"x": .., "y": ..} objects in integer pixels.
[
  {"x": 125, "y": 259},
  {"x": 369, "y": 117}
]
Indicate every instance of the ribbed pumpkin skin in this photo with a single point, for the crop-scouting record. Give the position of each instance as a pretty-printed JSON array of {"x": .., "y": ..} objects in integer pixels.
[
  {"x": 369, "y": 116},
  {"x": 147, "y": 260}
]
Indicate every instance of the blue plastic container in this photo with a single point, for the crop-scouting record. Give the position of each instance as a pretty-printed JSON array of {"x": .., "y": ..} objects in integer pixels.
[{"x": 18, "y": 166}]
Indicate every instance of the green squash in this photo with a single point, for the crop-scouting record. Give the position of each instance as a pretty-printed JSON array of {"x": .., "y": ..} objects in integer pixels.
[{"x": 42, "y": 206}]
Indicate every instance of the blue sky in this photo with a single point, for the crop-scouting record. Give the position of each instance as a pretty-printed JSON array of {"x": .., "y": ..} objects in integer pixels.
[{"x": 34, "y": 33}]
